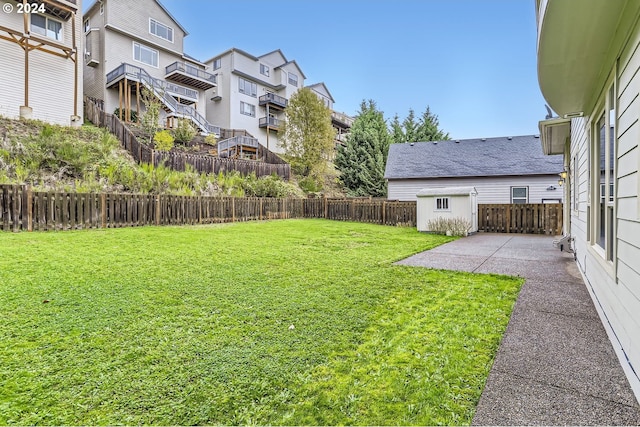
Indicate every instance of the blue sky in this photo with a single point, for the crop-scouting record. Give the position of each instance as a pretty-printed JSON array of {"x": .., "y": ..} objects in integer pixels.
[{"x": 473, "y": 62}]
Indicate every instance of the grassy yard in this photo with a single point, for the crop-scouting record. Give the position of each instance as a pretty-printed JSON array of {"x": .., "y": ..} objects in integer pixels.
[{"x": 283, "y": 322}]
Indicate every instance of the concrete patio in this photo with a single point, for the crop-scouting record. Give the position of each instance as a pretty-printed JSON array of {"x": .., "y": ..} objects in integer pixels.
[{"x": 555, "y": 364}]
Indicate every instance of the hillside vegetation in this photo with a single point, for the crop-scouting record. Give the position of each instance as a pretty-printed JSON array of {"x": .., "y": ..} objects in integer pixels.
[{"x": 88, "y": 159}]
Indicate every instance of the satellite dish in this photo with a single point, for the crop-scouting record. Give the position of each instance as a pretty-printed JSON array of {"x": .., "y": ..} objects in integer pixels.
[{"x": 549, "y": 112}]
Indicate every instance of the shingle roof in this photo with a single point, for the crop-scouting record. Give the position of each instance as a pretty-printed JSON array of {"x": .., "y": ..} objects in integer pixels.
[{"x": 518, "y": 155}]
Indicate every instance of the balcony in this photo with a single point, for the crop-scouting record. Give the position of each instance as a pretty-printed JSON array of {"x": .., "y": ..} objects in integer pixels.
[
  {"x": 341, "y": 120},
  {"x": 62, "y": 9},
  {"x": 270, "y": 123},
  {"x": 273, "y": 101},
  {"x": 183, "y": 94},
  {"x": 190, "y": 75}
]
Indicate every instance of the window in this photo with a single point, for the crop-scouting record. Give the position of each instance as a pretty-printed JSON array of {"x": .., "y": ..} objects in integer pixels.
[
  {"x": 101, "y": 8},
  {"x": 86, "y": 25},
  {"x": 217, "y": 63},
  {"x": 247, "y": 109},
  {"x": 45, "y": 26},
  {"x": 159, "y": 29},
  {"x": 442, "y": 203},
  {"x": 247, "y": 87},
  {"x": 144, "y": 54},
  {"x": 601, "y": 217},
  {"x": 264, "y": 70},
  {"x": 293, "y": 79},
  {"x": 519, "y": 194}
]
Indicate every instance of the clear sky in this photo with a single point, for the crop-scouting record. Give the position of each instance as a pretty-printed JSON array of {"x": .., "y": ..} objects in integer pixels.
[{"x": 473, "y": 62}]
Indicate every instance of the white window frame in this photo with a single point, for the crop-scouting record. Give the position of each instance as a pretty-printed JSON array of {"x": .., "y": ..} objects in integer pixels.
[
  {"x": 160, "y": 24},
  {"x": 247, "y": 109},
  {"x": 603, "y": 189},
  {"x": 46, "y": 27},
  {"x": 264, "y": 70},
  {"x": 293, "y": 79},
  {"x": 141, "y": 46},
  {"x": 217, "y": 63},
  {"x": 101, "y": 8},
  {"x": 526, "y": 198},
  {"x": 442, "y": 204},
  {"x": 86, "y": 25},
  {"x": 247, "y": 87}
]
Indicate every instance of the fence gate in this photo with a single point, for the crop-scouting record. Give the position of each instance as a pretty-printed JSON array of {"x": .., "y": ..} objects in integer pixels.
[{"x": 541, "y": 218}]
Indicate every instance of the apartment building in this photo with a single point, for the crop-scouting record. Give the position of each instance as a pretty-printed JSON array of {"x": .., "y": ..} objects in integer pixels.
[
  {"x": 40, "y": 54},
  {"x": 252, "y": 92},
  {"x": 129, "y": 46},
  {"x": 132, "y": 45}
]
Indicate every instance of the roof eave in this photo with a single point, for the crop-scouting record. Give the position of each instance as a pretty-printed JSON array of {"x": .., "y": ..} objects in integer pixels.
[
  {"x": 554, "y": 134},
  {"x": 576, "y": 41}
]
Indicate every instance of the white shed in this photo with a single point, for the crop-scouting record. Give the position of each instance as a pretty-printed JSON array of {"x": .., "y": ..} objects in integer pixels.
[{"x": 447, "y": 202}]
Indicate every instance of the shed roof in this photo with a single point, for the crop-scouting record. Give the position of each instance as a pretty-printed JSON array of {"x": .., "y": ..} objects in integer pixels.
[
  {"x": 502, "y": 156},
  {"x": 447, "y": 191}
]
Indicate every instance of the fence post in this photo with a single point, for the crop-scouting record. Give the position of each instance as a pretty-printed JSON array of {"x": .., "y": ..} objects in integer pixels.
[
  {"x": 384, "y": 212},
  {"x": 326, "y": 212},
  {"x": 233, "y": 209},
  {"x": 103, "y": 210},
  {"x": 157, "y": 209},
  {"x": 29, "y": 196}
]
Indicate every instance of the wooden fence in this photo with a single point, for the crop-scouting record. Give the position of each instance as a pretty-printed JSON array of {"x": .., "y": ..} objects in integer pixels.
[
  {"x": 23, "y": 209},
  {"x": 142, "y": 153},
  {"x": 543, "y": 218}
]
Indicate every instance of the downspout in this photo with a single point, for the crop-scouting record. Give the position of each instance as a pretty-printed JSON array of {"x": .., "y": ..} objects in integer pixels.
[
  {"x": 75, "y": 119},
  {"x": 26, "y": 112}
]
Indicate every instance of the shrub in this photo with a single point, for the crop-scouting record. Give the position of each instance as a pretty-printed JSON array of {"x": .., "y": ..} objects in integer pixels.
[
  {"x": 134, "y": 115},
  {"x": 163, "y": 140},
  {"x": 266, "y": 186},
  {"x": 211, "y": 140},
  {"x": 309, "y": 184},
  {"x": 450, "y": 226},
  {"x": 184, "y": 132},
  {"x": 151, "y": 116}
]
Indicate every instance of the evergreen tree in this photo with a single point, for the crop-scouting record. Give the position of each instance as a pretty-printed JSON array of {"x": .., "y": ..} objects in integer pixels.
[
  {"x": 410, "y": 127},
  {"x": 397, "y": 133},
  {"x": 428, "y": 130},
  {"x": 363, "y": 159},
  {"x": 307, "y": 134}
]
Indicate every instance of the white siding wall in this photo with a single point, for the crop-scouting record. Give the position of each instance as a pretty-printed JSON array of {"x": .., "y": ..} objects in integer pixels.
[
  {"x": 490, "y": 189},
  {"x": 50, "y": 95},
  {"x": 461, "y": 206},
  {"x": 615, "y": 286},
  {"x": 226, "y": 112},
  {"x": 133, "y": 17}
]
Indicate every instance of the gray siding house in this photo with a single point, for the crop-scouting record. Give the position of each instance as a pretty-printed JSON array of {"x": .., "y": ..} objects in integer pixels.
[
  {"x": 130, "y": 45},
  {"x": 503, "y": 170},
  {"x": 588, "y": 71}
]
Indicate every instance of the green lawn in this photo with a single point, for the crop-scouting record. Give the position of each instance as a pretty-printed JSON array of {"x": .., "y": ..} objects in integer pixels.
[{"x": 192, "y": 325}]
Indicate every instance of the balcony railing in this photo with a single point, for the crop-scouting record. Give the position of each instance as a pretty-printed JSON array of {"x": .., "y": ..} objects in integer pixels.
[
  {"x": 190, "y": 75},
  {"x": 181, "y": 91},
  {"x": 273, "y": 99},
  {"x": 244, "y": 141},
  {"x": 271, "y": 122},
  {"x": 342, "y": 119}
]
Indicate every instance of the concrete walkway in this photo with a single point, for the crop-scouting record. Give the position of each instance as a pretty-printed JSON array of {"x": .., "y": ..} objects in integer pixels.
[{"x": 555, "y": 364}]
